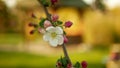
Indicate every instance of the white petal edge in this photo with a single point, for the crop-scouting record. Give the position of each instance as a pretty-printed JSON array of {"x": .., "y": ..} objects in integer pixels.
[
  {"x": 46, "y": 37},
  {"x": 50, "y": 28},
  {"x": 60, "y": 39},
  {"x": 59, "y": 30},
  {"x": 53, "y": 42}
]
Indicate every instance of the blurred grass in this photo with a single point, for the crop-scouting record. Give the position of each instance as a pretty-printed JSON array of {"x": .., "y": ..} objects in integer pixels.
[
  {"x": 25, "y": 60},
  {"x": 10, "y": 38}
]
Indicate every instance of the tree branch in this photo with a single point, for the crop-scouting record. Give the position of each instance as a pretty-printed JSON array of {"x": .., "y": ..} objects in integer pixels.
[
  {"x": 65, "y": 53},
  {"x": 46, "y": 11},
  {"x": 49, "y": 18}
]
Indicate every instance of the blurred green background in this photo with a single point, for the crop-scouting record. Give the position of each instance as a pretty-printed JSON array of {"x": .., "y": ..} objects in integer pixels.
[{"x": 94, "y": 36}]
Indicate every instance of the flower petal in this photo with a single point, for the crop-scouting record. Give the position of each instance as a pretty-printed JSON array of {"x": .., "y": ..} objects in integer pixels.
[
  {"x": 46, "y": 36},
  {"x": 50, "y": 28},
  {"x": 60, "y": 39},
  {"x": 59, "y": 30},
  {"x": 53, "y": 42}
]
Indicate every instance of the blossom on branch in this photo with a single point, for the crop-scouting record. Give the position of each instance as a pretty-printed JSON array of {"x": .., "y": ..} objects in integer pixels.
[
  {"x": 41, "y": 30},
  {"x": 54, "y": 35},
  {"x": 53, "y": 32},
  {"x": 54, "y": 17},
  {"x": 47, "y": 23}
]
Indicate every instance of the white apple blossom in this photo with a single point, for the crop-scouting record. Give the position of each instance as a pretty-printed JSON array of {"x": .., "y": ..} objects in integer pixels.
[{"x": 54, "y": 35}]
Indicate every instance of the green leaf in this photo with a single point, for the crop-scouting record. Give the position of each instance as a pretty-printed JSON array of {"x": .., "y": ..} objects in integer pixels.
[
  {"x": 65, "y": 62},
  {"x": 41, "y": 23},
  {"x": 77, "y": 65},
  {"x": 45, "y": 3},
  {"x": 59, "y": 22}
]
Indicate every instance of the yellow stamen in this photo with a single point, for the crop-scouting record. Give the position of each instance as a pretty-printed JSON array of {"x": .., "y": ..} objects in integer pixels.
[{"x": 53, "y": 35}]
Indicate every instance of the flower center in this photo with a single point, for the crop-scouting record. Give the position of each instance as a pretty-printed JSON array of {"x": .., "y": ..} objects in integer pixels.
[{"x": 53, "y": 35}]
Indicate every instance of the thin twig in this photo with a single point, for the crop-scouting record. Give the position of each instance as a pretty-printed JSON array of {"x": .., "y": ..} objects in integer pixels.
[
  {"x": 65, "y": 53},
  {"x": 49, "y": 18},
  {"x": 46, "y": 11}
]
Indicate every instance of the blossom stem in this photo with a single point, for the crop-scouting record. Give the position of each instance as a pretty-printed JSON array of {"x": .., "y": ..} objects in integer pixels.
[
  {"x": 66, "y": 53},
  {"x": 49, "y": 18},
  {"x": 46, "y": 11}
]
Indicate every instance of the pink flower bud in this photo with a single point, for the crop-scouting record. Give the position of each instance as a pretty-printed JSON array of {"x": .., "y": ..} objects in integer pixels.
[
  {"x": 69, "y": 65},
  {"x": 47, "y": 24},
  {"x": 30, "y": 24},
  {"x": 65, "y": 39},
  {"x": 84, "y": 64},
  {"x": 33, "y": 15},
  {"x": 54, "y": 1},
  {"x": 32, "y": 32},
  {"x": 115, "y": 56},
  {"x": 68, "y": 24},
  {"x": 59, "y": 64},
  {"x": 41, "y": 30},
  {"x": 54, "y": 17}
]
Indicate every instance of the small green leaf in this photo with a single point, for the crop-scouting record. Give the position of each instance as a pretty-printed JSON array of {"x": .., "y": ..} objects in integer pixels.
[
  {"x": 54, "y": 23},
  {"x": 64, "y": 61},
  {"x": 77, "y": 65},
  {"x": 59, "y": 22},
  {"x": 41, "y": 23},
  {"x": 45, "y": 3}
]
